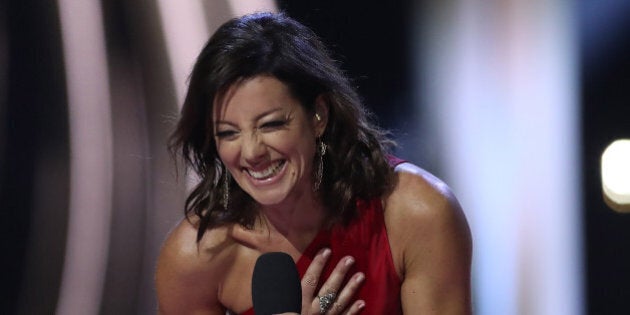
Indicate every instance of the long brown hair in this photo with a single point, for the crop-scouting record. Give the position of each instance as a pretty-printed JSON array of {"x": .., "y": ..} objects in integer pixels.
[{"x": 355, "y": 166}]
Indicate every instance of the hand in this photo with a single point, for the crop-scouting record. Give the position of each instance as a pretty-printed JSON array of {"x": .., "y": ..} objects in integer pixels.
[{"x": 339, "y": 298}]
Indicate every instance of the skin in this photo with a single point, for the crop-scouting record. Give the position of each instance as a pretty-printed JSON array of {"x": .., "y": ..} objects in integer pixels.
[
  {"x": 430, "y": 242},
  {"x": 260, "y": 126}
]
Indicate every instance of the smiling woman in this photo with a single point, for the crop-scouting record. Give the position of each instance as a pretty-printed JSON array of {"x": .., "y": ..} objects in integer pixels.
[
  {"x": 289, "y": 162},
  {"x": 267, "y": 141}
]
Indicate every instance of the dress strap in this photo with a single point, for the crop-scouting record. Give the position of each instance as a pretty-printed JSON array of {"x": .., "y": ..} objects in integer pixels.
[{"x": 394, "y": 160}]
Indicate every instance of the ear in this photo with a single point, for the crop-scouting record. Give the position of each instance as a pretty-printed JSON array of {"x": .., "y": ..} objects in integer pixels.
[{"x": 320, "y": 118}]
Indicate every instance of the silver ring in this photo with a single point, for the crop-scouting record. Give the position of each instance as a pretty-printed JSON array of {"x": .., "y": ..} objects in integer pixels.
[{"x": 326, "y": 301}]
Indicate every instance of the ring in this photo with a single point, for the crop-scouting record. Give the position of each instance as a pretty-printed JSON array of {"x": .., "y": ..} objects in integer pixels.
[{"x": 326, "y": 301}]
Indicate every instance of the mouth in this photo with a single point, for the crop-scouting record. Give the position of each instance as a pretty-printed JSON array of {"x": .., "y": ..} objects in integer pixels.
[{"x": 269, "y": 172}]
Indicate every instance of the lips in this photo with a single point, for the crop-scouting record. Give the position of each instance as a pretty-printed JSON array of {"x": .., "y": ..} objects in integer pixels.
[{"x": 268, "y": 172}]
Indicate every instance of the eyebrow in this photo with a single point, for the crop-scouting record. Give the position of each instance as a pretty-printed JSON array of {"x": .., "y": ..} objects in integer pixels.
[{"x": 258, "y": 117}]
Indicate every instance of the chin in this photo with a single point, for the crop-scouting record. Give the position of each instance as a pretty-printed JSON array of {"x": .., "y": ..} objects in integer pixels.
[
  {"x": 275, "y": 197},
  {"x": 269, "y": 200}
]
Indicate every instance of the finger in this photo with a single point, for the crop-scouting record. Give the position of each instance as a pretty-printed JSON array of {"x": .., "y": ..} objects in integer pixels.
[
  {"x": 334, "y": 281},
  {"x": 344, "y": 301},
  {"x": 310, "y": 279},
  {"x": 330, "y": 289},
  {"x": 356, "y": 308}
]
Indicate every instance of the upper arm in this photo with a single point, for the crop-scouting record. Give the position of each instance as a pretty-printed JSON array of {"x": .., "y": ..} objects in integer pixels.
[
  {"x": 431, "y": 241},
  {"x": 186, "y": 280}
]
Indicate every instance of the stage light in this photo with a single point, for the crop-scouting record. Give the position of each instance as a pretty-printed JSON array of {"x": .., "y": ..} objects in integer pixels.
[{"x": 615, "y": 170}]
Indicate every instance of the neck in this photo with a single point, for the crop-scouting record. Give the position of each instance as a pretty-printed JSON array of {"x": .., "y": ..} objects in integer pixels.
[{"x": 297, "y": 222}]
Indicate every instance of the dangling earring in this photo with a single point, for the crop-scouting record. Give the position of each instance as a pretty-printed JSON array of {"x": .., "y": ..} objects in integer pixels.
[
  {"x": 319, "y": 173},
  {"x": 226, "y": 188}
]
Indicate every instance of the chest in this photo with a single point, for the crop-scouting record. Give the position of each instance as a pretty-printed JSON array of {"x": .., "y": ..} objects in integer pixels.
[
  {"x": 366, "y": 240},
  {"x": 235, "y": 290}
]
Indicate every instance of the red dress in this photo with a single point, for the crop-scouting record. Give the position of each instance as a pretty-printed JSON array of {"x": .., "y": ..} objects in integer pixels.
[{"x": 365, "y": 239}]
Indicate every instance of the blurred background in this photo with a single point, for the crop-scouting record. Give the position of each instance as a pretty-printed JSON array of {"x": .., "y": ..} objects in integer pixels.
[{"x": 510, "y": 102}]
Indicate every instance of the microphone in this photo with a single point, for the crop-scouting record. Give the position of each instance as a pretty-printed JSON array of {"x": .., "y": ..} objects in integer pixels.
[
  {"x": 615, "y": 170},
  {"x": 276, "y": 285}
]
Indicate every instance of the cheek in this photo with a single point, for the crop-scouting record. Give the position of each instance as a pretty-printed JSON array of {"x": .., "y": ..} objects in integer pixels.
[
  {"x": 227, "y": 152},
  {"x": 291, "y": 144}
]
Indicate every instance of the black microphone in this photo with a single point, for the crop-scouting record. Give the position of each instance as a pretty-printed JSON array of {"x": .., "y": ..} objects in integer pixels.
[{"x": 276, "y": 285}]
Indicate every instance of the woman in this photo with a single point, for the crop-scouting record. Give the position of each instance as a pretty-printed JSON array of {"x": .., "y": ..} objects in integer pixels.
[{"x": 288, "y": 162}]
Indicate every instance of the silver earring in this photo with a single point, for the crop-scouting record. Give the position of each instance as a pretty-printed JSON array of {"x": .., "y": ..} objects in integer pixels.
[
  {"x": 319, "y": 118},
  {"x": 319, "y": 173},
  {"x": 226, "y": 188}
]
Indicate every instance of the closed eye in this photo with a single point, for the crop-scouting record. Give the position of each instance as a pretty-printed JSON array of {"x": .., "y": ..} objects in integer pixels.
[
  {"x": 224, "y": 134},
  {"x": 275, "y": 124}
]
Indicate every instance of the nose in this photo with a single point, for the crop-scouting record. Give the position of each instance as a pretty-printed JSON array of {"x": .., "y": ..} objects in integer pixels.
[{"x": 253, "y": 149}]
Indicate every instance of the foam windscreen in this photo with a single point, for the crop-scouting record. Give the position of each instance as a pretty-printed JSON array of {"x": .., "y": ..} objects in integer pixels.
[{"x": 276, "y": 285}]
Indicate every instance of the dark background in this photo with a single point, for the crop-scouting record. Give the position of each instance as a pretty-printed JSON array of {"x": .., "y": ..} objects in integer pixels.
[{"x": 605, "y": 105}]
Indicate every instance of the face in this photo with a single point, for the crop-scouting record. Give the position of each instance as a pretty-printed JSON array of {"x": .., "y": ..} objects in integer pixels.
[{"x": 267, "y": 140}]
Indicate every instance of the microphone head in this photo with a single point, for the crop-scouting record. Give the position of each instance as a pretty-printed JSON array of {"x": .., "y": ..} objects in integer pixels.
[{"x": 276, "y": 285}]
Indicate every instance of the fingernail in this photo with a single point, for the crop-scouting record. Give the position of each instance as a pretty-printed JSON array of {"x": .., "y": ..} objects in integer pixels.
[
  {"x": 360, "y": 277},
  {"x": 326, "y": 253},
  {"x": 361, "y": 305},
  {"x": 349, "y": 261}
]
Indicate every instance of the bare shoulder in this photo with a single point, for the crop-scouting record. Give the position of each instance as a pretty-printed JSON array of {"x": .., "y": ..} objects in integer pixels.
[
  {"x": 430, "y": 241},
  {"x": 421, "y": 195},
  {"x": 189, "y": 273}
]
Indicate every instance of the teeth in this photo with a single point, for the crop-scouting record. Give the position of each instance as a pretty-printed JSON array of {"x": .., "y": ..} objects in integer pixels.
[{"x": 271, "y": 170}]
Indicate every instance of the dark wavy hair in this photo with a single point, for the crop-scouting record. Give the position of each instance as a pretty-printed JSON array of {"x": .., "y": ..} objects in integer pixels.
[{"x": 356, "y": 165}]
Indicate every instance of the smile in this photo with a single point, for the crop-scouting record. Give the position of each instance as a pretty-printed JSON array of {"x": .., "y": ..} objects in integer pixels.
[{"x": 268, "y": 172}]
